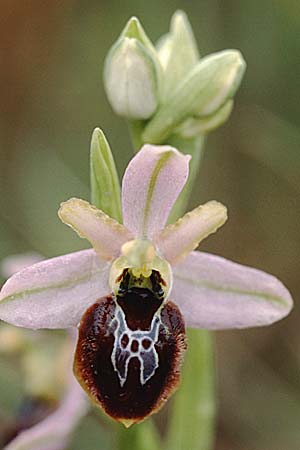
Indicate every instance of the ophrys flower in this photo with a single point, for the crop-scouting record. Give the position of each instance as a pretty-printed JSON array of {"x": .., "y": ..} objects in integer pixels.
[{"x": 135, "y": 289}]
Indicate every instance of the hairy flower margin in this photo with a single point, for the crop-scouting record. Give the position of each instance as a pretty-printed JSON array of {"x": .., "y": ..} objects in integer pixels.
[{"x": 211, "y": 292}]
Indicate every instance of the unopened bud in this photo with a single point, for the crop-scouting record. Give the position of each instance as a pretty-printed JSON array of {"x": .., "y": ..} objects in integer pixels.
[
  {"x": 178, "y": 53},
  {"x": 212, "y": 82},
  {"x": 132, "y": 74}
]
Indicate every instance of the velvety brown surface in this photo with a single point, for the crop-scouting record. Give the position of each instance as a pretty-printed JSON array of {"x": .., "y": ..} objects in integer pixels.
[
  {"x": 94, "y": 369},
  {"x": 139, "y": 305}
]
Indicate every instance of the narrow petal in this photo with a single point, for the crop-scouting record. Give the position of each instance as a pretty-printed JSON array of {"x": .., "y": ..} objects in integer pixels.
[
  {"x": 105, "y": 234},
  {"x": 215, "y": 293},
  {"x": 56, "y": 292},
  {"x": 177, "y": 240},
  {"x": 151, "y": 184}
]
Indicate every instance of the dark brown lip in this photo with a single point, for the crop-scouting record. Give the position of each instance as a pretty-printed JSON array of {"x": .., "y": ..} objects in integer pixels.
[{"x": 132, "y": 401}]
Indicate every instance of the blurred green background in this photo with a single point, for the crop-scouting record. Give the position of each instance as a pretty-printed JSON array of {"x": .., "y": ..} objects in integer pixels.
[{"x": 52, "y": 97}]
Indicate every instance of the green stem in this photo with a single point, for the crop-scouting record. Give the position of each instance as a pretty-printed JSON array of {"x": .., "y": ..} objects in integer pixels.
[
  {"x": 136, "y": 128},
  {"x": 139, "y": 437},
  {"x": 192, "y": 423}
]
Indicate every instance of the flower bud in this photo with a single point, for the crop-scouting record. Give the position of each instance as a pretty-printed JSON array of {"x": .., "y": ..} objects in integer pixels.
[
  {"x": 132, "y": 74},
  {"x": 212, "y": 82},
  {"x": 105, "y": 185},
  {"x": 177, "y": 52}
]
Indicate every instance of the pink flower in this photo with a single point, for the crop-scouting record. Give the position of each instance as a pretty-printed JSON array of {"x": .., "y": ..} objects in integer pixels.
[{"x": 141, "y": 281}]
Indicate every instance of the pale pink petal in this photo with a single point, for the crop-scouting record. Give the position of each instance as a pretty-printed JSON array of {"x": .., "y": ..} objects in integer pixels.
[
  {"x": 56, "y": 292},
  {"x": 151, "y": 184},
  {"x": 215, "y": 293},
  {"x": 177, "y": 240},
  {"x": 104, "y": 233},
  {"x": 54, "y": 432}
]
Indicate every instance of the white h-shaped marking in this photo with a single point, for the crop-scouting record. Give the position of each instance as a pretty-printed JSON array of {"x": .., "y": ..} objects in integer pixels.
[{"x": 122, "y": 353}]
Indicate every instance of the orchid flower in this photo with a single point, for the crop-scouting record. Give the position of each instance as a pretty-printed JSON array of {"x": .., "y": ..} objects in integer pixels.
[{"x": 135, "y": 291}]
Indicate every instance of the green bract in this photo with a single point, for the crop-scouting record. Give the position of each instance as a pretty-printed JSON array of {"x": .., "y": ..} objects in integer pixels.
[
  {"x": 195, "y": 126},
  {"x": 105, "y": 185}
]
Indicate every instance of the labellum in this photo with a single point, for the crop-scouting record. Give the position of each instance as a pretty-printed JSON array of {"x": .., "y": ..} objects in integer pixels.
[{"x": 130, "y": 349}]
